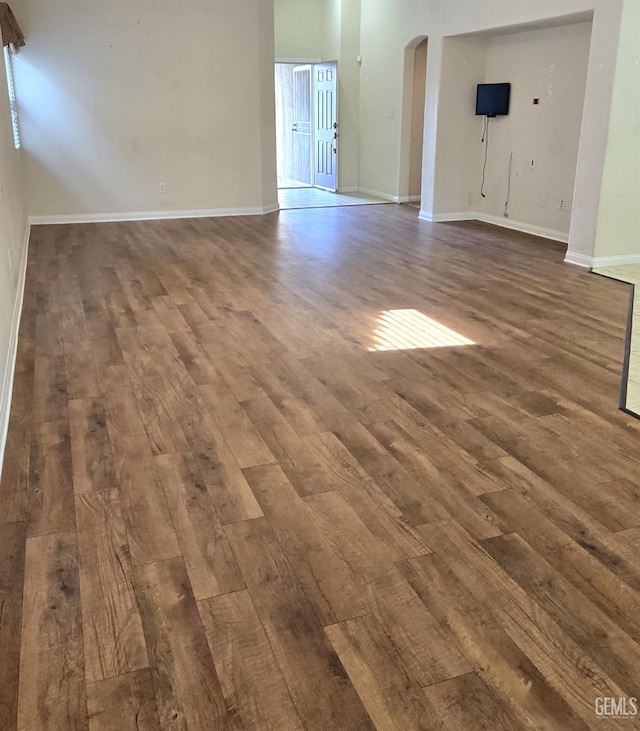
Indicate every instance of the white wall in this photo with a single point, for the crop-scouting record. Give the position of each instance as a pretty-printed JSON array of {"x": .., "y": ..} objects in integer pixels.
[
  {"x": 118, "y": 97},
  {"x": 389, "y": 27},
  {"x": 549, "y": 64},
  {"x": 143, "y": 93},
  {"x": 12, "y": 254},
  {"x": 328, "y": 30},
  {"x": 349, "y": 93},
  {"x": 304, "y": 30},
  {"x": 266, "y": 120},
  {"x": 308, "y": 28},
  {"x": 594, "y": 131},
  {"x": 618, "y": 227},
  {"x": 457, "y": 148},
  {"x": 334, "y": 11}
]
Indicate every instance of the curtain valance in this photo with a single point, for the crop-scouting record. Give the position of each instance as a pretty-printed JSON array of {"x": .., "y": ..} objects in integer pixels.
[{"x": 11, "y": 32}]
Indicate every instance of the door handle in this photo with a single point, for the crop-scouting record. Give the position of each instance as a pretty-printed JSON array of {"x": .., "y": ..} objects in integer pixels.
[{"x": 294, "y": 128}]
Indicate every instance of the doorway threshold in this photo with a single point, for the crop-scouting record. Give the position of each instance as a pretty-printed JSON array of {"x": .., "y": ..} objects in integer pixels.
[
  {"x": 316, "y": 198},
  {"x": 286, "y": 183}
]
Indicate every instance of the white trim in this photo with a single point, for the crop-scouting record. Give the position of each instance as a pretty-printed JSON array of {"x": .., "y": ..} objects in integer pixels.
[
  {"x": 371, "y": 192},
  {"x": 615, "y": 261},
  {"x": 445, "y": 217},
  {"x": 409, "y": 198},
  {"x": 150, "y": 215},
  {"x": 529, "y": 228},
  {"x": 597, "y": 262},
  {"x": 581, "y": 260},
  {"x": 379, "y": 194},
  {"x": 12, "y": 352}
]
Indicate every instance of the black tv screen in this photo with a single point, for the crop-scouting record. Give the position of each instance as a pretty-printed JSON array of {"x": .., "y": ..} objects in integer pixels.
[{"x": 493, "y": 99}]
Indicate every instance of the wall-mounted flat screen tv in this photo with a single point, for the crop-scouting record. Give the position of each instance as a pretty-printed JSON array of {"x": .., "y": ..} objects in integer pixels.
[{"x": 492, "y": 100}]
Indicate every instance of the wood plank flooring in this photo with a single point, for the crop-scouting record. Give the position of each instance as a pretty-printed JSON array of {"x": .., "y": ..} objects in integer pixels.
[{"x": 236, "y": 495}]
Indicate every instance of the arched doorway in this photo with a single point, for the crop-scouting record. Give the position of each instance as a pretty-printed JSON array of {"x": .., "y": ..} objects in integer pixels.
[{"x": 414, "y": 91}]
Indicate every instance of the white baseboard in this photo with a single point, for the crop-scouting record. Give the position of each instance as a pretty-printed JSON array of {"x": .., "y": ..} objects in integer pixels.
[
  {"x": 615, "y": 261},
  {"x": 599, "y": 262},
  {"x": 151, "y": 215},
  {"x": 529, "y": 228},
  {"x": 448, "y": 217},
  {"x": 379, "y": 194},
  {"x": 6, "y": 387},
  {"x": 581, "y": 260},
  {"x": 386, "y": 196},
  {"x": 349, "y": 189}
]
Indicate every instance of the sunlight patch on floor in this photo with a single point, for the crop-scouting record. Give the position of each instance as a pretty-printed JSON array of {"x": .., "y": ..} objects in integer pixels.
[{"x": 410, "y": 329}]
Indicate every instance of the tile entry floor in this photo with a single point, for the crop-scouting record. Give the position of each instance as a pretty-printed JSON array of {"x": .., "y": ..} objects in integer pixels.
[{"x": 317, "y": 198}]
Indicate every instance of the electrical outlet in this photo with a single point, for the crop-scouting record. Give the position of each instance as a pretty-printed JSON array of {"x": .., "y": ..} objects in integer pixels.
[
  {"x": 543, "y": 201},
  {"x": 163, "y": 188}
]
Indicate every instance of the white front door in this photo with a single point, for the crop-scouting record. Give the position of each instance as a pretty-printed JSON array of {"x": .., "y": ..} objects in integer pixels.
[{"x": 325, "y": 88}]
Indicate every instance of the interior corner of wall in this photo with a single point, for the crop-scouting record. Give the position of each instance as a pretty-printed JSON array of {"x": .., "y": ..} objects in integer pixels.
[{"x": 580, "y": 250}]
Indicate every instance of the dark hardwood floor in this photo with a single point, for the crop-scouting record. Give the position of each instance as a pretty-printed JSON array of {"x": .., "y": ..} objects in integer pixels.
[{"x": 333, "y": 469}]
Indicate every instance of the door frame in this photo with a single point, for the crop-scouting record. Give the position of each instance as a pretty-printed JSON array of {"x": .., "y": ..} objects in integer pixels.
[
  {"x": 312, "y": 62},
  {"x": 308, "y": 68}
]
